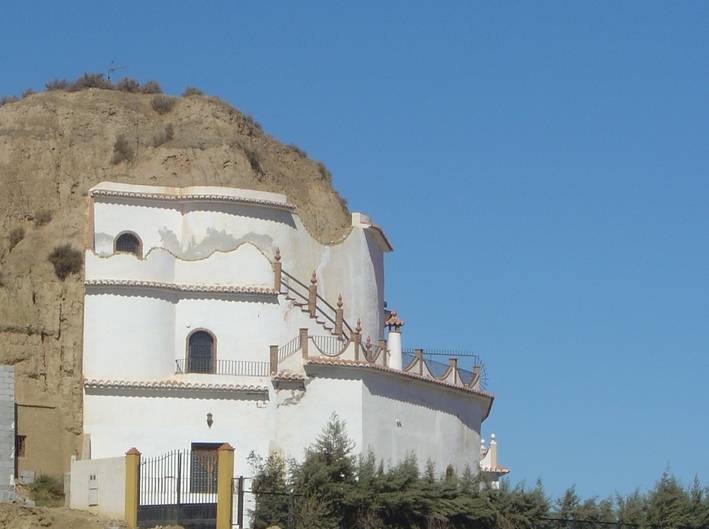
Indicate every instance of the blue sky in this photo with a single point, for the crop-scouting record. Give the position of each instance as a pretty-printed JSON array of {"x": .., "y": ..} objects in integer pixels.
[{"x": 540, "y": 168}]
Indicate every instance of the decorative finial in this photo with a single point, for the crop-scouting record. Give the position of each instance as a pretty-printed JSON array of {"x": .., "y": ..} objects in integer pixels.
[
  {"x": 358, "y": 328},
  {"x": 368, "y": 343},
  {"x": 393, "y": 322},
  {"x": 314, "y": 278},
  {"x": 278, "y": 253},
  {"x": 339, "y": 301}
]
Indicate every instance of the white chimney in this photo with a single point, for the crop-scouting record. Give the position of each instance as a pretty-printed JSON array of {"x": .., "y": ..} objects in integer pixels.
[{"x": 394, "y": 324}]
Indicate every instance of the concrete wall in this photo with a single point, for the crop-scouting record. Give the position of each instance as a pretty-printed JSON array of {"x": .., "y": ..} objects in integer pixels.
[
  {"x": 108, "y": 499},
  {"x": 7, "y": 431}
]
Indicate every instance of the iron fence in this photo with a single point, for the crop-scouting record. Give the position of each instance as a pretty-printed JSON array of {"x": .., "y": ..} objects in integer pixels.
[{"x": 329, "y": 345}]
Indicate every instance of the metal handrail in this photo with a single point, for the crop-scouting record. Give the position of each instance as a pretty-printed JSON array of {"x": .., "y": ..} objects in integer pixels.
[
  {"x": 318, "y": 306},
  {"x": 439, "y": 369},
  {"x": 289, "y": 348},
  {"x": 251, "y": 368}
]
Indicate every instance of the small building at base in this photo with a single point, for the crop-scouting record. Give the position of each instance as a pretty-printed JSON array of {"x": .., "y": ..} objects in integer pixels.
[{"x": 212, "y": 316}]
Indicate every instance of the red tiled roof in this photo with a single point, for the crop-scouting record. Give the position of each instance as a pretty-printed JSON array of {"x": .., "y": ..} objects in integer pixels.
[{"x": 172, "y": 384}]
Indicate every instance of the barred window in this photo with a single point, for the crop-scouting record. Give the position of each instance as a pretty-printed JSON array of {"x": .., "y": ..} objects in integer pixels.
[
  {"x": 200, "y": 353},
  {"x": 203, "y": 467},
  {"x": 129, "y": 243}
]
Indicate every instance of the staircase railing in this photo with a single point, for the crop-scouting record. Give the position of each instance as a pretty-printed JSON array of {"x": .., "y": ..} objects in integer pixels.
[
  {"x": 288, "y": 349},
  {"x": 316, "y": 304}
]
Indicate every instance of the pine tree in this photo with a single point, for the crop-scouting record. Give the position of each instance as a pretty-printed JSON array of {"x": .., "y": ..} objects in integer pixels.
[
  {"x": 272, "y": 494},
  {"x": 668, "y": 503}
]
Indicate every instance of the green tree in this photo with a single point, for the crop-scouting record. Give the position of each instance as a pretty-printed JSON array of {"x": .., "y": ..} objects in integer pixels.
[
  {"x": 272, "y": 493},
  {"x": 668, "y": 503}
]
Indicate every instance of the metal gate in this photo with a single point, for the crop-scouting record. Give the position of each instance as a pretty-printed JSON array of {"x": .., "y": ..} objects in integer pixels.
[{"x": 179, "y": 487}]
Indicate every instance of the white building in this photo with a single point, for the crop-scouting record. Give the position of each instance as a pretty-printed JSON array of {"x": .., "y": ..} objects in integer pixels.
[{"x": 212, "y": 316}]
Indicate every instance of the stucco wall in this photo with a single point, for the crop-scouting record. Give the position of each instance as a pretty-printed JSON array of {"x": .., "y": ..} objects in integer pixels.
[
  {"x": 110, "y": 483},
  {"x": 194, "y": 231},
  {"x": 301, "y": 415},
  {"x": 157, "y": 422},
  {"x": 129, "y": 334},
  {"x": 408, "y": 416}
]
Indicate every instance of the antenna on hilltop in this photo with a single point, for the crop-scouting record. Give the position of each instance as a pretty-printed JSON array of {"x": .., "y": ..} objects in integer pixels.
[{"x": 113, "y": 68}]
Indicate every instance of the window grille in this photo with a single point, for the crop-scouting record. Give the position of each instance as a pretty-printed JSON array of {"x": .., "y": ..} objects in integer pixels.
[
  {"x": 203, "y": 467},
  {"x": 201, "y": 353},
  {"x": 129, "y": 243}
]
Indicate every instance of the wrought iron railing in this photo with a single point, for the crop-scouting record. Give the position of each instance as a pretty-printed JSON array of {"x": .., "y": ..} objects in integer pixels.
[
  {"x": 329, "y": 345},
  {"x": 287, "y": 349},
  {"x": 291, "y": 285},
  {"x": 438, "y": 368},
  {"x": 249, "y": 368}
]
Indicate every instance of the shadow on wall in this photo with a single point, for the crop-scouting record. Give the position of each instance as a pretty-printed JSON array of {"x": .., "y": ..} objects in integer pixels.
[
  {"x": 243, "y": 210},
  {"x": 253, "y": 211},
  {"x": 426, "y": 395},
  {"x": 173, "y": 297},
  {"x": 177, "y": 393}
]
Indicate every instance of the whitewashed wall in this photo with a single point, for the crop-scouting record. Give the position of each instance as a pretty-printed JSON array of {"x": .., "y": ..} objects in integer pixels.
[
  {"x": 403, "y": 416},
  {"x": 137, "y": 333},
  {"x": 111, "y": 486},
  {"x": 194, "y": 231},
  {"x": 129, "y": 334}
]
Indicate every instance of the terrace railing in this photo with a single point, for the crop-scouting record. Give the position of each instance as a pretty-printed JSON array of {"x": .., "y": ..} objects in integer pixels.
[
  {"x": 474, "y": 368},
  {"x": 249, "y": 368}
]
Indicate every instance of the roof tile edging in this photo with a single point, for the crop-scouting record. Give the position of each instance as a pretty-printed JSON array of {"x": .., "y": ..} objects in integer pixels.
[
  {"x": 218, "y": 289},
  {"x": 172, "y": 384},
  {"x": 287, "y": 206},
  {"x": 352, "y": 363}
]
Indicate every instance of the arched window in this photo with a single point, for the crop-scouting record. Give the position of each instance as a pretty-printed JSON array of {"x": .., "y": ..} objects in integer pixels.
[
  {"x": 200, "y": 353},
  {"x": 128, "y": 243}
]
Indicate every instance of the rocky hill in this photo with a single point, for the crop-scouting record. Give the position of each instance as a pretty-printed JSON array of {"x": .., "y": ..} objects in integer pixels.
[{"x": 53, "y": 147}]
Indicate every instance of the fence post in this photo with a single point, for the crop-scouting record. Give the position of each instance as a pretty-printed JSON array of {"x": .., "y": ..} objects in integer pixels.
[
  {"x": 339, "y": 316},
  {"x": 357, "y": 339},
  {"x": 240, "y": 502},
  {"x": 475, "y": 380},
  {"x": 132, "y": 484},
  {"x": 453, "y": 363},
  {"x": 304, "y": 342},
  {"x": 277, "y": 271},
  {"x": 225, "y": 475},
  {"x": 274, "y": 359},
  {"x": 313, "y": 295},
  {"x": 419, "y": 355}
]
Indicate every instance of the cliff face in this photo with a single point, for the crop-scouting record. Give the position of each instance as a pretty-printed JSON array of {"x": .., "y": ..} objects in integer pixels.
[{"x": 53, "y": 147}]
